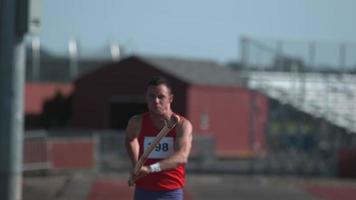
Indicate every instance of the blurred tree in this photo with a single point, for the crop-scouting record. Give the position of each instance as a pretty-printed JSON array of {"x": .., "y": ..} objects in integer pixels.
[{"x": 56, "y": 112}]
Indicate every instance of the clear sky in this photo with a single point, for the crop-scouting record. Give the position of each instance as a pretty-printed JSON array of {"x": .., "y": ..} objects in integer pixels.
[{"x": 193, "y": 28}]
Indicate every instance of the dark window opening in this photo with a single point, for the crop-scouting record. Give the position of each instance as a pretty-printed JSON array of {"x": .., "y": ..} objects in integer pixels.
[{"x": 120, "y": 113}]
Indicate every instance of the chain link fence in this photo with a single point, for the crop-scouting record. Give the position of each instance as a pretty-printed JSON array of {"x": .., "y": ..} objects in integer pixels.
[
  {"x": 293, "y": 55},
  {"x": 109, "y": 154}
]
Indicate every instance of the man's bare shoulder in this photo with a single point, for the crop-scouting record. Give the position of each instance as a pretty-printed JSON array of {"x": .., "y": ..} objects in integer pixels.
[
  {"x": 184, "y": 125},
  {"x": 134, "y": 125},
  {"x": 136, "y": 118}
]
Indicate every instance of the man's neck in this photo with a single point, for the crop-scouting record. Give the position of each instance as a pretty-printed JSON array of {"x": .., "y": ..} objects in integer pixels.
[
  {"x": 163, "y": 116},
  {"x": 159, "y": 119}
]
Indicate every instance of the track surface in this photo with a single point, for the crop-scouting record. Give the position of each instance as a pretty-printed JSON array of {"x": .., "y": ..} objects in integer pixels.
[{"x": 199, "y": 187}]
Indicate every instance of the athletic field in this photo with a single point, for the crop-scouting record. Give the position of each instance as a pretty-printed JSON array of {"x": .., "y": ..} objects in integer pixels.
[{"x": 89, "y": 186}]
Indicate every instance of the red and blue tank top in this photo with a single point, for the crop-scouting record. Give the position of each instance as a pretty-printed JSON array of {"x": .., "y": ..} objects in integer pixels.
[{"x": 167, "y": 179}]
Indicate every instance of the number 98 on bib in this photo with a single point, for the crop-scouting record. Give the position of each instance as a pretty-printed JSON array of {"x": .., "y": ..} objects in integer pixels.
[{"x": 162, "y": 150}]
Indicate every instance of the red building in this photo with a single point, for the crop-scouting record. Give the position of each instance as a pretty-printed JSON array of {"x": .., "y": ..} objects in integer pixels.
[{"x": 210, "y": 95}]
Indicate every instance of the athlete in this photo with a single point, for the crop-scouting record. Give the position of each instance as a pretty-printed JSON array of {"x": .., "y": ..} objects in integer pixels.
[{"x": 163, "y": 174}]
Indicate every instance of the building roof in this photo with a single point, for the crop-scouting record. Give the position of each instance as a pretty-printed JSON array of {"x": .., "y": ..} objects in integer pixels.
[{"x": 194, "y": 71}]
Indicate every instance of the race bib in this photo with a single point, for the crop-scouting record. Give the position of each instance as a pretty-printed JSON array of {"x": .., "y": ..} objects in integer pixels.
[{"x": 162, "y": 150}]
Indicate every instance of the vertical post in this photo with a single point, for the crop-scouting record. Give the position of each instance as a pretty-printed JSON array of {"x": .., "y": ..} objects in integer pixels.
[
  {"x": 36, "y": 59},
  {"x": 252, "y": 130},
  {"x": 279, "y": 55},
  {"x": 311, "y": 52},
  {"x": 115, "y": 52},
  {"x": 244, "y": 51},
  {"x": 73, "y": 58},
  {"x": 342, "y": 58},
  {"x": 12, "y": 62},
  {"x": 279, "y": 49}
]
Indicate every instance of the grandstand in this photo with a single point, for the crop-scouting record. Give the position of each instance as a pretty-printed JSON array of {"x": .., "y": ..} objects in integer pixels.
[
  {"x": 328, "y": 96},
  {"x": 314, "y": 77}
]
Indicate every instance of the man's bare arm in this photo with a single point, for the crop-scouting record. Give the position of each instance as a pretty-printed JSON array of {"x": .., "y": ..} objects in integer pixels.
[
  {"x": 131, "y": 138},
  {"x": 183, "y": 145}
]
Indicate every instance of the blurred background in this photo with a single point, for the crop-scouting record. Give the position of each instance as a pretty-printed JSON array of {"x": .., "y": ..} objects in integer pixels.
[{"x": 270, "y": 88}]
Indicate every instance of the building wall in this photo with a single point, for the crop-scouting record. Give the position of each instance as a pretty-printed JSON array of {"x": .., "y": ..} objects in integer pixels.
[
  {"x": 72, "y": 153},
  {"x": 36, "y": 94},
  {"x": 346, "y": 159},
  {"x": 118, "y": 82},
  {"x": 222, "y": 112},
  {"x": 226, "y": 114},
  {"x": 60, "y": 153}
]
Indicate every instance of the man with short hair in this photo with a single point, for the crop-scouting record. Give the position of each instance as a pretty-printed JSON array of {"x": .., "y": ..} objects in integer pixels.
[{"x": 162, "y": 176}]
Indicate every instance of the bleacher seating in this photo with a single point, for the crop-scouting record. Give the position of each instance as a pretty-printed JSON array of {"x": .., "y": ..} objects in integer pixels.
[{"x": 329, "y": 96}]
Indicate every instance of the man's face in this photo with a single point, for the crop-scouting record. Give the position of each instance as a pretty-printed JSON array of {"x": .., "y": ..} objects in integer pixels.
[{"x": 159, "y": 99}]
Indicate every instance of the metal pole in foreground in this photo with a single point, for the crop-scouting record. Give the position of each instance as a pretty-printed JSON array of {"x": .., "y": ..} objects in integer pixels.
[{"x": 12, "y": 56}]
